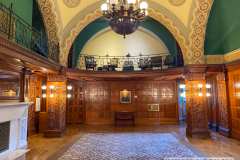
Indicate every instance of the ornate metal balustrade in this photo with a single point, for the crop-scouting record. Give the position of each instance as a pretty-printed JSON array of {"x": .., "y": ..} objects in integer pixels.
[
  {"x": 16, "y": 29},
  {"x": 123, "y": 61}
]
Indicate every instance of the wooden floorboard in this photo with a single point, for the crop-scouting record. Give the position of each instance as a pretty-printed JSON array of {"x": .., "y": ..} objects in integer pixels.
[{"x": 217, "y": 146}]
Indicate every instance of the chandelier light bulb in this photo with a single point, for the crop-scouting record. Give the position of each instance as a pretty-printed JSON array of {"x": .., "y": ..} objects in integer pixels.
[
  {"x": 44, "y": 95},
  {"x": 200, "y": 86},
  {"x": 51, "y": 87},
  {"x": 131, "y": 2},
  {"x": 51, "y": 95},
  {"x": 113, "y": 2},
  {"x": 144, "y": 5},
  {"x": 208, "y": 94},
  {"x": 44, "y": 87},
  {"x": 200, "y": 94},
  {"x": 208, "y": 86},
  {"x": 104, "y": 7},
  {"x": 69, "y": 95}
]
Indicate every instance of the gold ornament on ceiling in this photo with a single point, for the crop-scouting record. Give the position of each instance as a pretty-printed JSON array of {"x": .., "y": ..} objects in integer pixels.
[
  {"x": 72, "y": 3},
  {"x": 177, "y": 2}
]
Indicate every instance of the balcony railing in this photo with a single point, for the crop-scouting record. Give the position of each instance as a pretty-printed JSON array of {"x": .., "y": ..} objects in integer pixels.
[
  {"x": 17, "y": 30},
  {"x": 146, "y": 62}
]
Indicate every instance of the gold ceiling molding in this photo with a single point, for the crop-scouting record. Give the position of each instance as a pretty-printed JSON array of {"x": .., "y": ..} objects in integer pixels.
[
  {"x": 231, "y": 56},
  {"x": 214, "y": 59},
  {"x": 177, "y": 2},
  {"x": 72, "y": 3}
]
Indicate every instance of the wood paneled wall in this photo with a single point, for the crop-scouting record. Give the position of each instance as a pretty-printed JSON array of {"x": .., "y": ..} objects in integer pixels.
[
  {"x": 102, "y": 101},
  {"x": 234, "y": 96},
  {"x": 75, "y": 103}
]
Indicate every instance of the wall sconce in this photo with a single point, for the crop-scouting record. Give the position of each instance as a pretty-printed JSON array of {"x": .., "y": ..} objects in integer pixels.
[
  {"x": 52, "y": 90},
  {"x": 200, "y": 90},
  {"x": 69, "y": 88},
  {"x": 44, "y": 91}
]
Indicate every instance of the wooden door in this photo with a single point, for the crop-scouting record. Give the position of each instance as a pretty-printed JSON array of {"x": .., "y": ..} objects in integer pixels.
[{"x": 75, "y": 105}]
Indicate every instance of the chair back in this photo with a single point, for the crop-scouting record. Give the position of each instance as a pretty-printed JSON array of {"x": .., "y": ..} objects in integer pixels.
[
  {"x": 156, "y": 61},
  {"x": 169, "y": 60},
  {"x": 114, "y": 62},
  {"x": 143, "y": 63},
  {"x": 89, "y": 60}
]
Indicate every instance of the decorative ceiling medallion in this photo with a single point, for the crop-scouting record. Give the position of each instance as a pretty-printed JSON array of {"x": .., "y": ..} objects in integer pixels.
[
  {"x": 72, "y": 3},
  {"x": 177, "y": 2}
]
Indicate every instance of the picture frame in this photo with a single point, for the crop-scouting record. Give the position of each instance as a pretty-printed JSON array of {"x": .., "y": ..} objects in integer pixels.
[{"x": 125, "y": 96}]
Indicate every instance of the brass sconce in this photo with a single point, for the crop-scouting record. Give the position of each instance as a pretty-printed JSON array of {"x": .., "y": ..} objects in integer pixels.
[
  {"x": 44, "y": 91},
  {"x": 208, "y": 86}
]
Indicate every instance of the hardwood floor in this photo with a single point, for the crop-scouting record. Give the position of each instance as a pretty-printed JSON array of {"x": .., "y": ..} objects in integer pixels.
[{"x": 217, "y": 146}]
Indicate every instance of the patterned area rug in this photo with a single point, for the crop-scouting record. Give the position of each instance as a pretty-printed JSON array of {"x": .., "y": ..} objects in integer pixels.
[{"x": 126, "y": 146}]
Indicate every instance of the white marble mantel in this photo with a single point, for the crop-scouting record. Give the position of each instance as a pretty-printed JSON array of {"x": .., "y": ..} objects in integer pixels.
[{"x": 17, "y": 114}]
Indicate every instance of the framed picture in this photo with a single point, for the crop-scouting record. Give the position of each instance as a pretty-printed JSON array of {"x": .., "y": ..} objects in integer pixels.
[{"x": 125, "y": 96}]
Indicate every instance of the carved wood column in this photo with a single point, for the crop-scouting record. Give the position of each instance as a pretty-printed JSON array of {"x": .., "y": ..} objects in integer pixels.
[
  {"x": 31, "y": 108},
  {"x": 196, "y": 106},
  {"x": 224, "y": 110},
  {"x": 24, "y": 85},
  {"x": 56, "y": 106}
]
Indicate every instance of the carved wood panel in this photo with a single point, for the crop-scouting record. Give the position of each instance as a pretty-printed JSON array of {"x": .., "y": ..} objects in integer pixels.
[
  {"x": 31, "y": 108},
  {"x": 75, "y": 104}
]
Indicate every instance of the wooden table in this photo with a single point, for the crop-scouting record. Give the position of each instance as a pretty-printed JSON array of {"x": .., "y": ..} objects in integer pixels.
[{"x": 124, "y": 116}]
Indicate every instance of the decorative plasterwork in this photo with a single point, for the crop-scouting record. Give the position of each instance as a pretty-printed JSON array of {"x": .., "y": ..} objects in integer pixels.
[
  {"x": 195, "y": 53},
  {"x": 72, "y": 3},
  {"x": 52, "y": 19},
  {"x": 177, "y": 2},
  {"x": 108, "y": 29}
]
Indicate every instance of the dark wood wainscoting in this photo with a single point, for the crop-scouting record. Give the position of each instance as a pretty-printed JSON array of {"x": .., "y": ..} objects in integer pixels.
[{"x": 103, "y": 100}]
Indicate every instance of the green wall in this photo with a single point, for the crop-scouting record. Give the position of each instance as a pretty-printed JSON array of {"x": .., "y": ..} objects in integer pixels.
[
  {"x": 23, "y": 8},
  {"x": 151, "y": 24},
  {"x": 223, "y": 29}
]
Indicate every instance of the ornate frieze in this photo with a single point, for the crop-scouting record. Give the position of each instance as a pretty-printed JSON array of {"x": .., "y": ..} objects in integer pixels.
[
  {"x": 57, "y": 78},
  {"x": 195, "y": 77}
]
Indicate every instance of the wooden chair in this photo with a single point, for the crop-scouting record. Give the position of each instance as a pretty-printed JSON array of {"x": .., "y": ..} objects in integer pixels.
[
  {"x": 156, "y": 61},
  {"x": 169, "y": 60},
  {"x": 89, "y": 62},
  {"x": 113, "y": 64},
  {"x": 143, "y": 63}
]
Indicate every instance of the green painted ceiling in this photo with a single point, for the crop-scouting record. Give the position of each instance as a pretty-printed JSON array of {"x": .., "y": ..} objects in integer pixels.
[
  {"x": 223, "y": 29},
  {"x": 151, "y": 24}
]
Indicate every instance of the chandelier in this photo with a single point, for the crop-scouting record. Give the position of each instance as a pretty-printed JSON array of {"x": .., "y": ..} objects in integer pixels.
[{"x": 124, "y": 18}]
